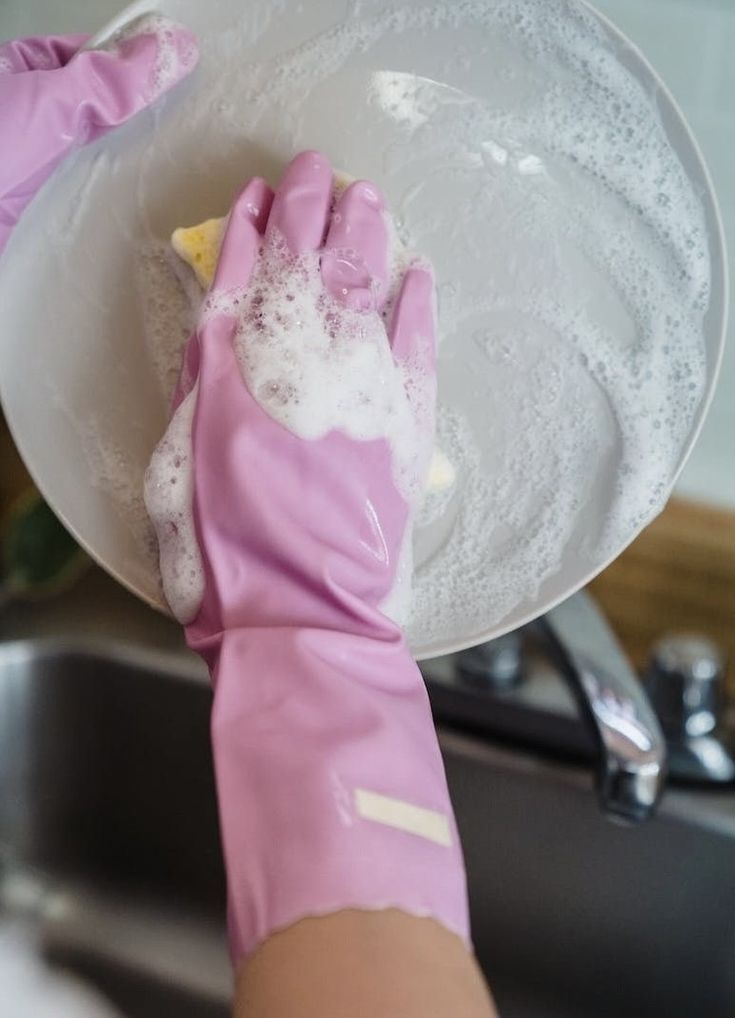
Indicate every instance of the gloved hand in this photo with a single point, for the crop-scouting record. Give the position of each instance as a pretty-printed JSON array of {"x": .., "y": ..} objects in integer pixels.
[
  {"x": 54, "y": 97},
  {"x": 331, "y": 786}
]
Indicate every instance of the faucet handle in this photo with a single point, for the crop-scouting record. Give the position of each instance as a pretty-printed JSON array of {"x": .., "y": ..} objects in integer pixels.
[
  {"x": 632, "y": 748},
  {"x": 684, "y": 681}
]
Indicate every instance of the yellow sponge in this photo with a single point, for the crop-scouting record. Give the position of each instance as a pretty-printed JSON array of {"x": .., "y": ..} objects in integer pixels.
[{"x": 199, "y": 247}]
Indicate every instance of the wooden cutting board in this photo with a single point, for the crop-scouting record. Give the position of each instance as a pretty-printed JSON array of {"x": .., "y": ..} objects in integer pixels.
[{"x": 678, "y": 575}]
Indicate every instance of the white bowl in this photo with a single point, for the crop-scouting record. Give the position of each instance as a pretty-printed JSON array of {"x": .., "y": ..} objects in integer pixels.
[{"x": 443, "y": 107}]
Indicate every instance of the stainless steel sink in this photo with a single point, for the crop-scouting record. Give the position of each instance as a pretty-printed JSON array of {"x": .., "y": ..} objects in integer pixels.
[{"x": 108, "y": 833}]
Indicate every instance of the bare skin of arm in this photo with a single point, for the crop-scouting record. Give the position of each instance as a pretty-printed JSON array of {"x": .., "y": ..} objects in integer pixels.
[{"x": 356, "y": 964}]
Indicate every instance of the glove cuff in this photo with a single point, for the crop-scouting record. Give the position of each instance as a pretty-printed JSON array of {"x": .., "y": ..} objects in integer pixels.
[{"x": 331, "y": 787}]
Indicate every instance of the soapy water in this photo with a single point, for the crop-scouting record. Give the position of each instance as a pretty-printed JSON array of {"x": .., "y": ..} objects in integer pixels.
[{"x": 570, "y": 249}]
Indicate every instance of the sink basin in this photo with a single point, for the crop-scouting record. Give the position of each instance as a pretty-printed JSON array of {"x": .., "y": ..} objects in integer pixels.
[{"x": 108, "y": 833}]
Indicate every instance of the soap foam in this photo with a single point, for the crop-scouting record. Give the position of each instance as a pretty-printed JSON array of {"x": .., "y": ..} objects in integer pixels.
[
  {"x": 169, "y": 492},
  {"x": 316, "y": 366}
]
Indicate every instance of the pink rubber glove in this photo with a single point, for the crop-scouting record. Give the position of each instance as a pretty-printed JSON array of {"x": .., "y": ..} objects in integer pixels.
[
  {"x": 331, "y": 786},
  {"x": 54, "y": 98}
]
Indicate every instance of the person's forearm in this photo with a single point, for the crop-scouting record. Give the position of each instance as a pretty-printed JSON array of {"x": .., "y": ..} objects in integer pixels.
[
  {"x": 328, "y": 904},
  {"x": 345, "y": 880},
  {"x": 356, "y": 964}
]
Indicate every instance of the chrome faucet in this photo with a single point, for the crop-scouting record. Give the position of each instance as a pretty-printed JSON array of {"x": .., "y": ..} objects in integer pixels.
[
  {"x": 632, "y": 749},
  {"x": 535, "y": 684}
]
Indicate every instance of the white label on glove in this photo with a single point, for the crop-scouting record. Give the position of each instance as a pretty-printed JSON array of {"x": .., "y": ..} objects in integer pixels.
[{"x": 383, "y": 809}]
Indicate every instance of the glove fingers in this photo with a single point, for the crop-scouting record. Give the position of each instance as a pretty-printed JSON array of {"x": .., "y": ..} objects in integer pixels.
[
  {"x": 302, "y": 201},
  {"x": 211, "y": 345},
  {"x": 355, "y": 260},
  {"x": 44, "y": 53},
  {"x": 413, "y": 324},
  {"x": 243, "y": 235}
]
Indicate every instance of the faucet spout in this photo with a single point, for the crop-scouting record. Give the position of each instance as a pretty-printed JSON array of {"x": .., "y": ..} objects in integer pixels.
[{"x": 632, "y": 748}]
